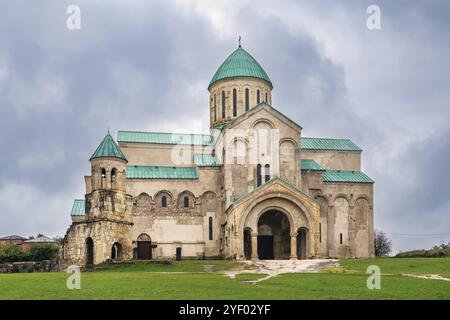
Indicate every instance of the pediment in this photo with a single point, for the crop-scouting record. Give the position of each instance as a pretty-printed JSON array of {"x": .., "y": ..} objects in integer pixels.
[{"x": 273, "y": 187}]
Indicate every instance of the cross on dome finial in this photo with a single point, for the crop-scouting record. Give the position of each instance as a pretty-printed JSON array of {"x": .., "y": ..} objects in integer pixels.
[{"x": 240, "y": 41}]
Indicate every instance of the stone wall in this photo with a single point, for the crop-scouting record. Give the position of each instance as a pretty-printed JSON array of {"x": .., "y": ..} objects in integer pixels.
[{"x": 29, "y": 266}]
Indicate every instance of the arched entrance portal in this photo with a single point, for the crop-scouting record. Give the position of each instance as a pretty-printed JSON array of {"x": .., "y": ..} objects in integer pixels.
[
  {"x": 248, "y": 244},
  {"x": 89, "y": 252},
  {"x": 302, "y": 235},
  {"x": 144, "y": 246},
  {"x": 274, "y": 240},
  {"x": 116, "y": 252}
]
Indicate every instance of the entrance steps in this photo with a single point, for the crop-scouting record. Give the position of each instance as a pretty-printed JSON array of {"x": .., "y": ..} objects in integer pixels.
[{"x": 281, "y": 266}]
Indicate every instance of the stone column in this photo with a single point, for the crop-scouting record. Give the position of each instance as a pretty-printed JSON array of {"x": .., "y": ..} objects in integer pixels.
[
  {"x": 254, "y": 246},
  {"x": 293, "y": 246}
]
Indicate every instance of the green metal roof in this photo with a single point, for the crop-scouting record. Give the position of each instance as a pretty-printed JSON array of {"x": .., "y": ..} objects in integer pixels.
[
  {"x": 311, "y": 165},
  {"x": 157, "y": 172},
  {"x": 165, "y": 138},
  {"x": 346, "y": 176},
  {"x": 240, "y": 64},
  {"x": 78, "y": 208},
  {"x": 328, "y": 144},
  {"x": 108, "y": 148},
  {"x": 206, "y": 160}
]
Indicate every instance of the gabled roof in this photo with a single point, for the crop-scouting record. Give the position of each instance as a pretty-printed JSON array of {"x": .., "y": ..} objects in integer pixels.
[
  {"x": 158, "y": 172},
  {"x": 240, "y": 64},
  {"x": 13, "y": 237},
  {"x": 346, "y": 176},
  {"x": 108, "y": 148},
  {"x": 78, "y": 208},
  {"x": 258, "y": 107},
  {"x": 328, "y": 144},
  {"x": 40, "y": 239},
  {"x": 275, "y": 178},
  {"x": 206, "y": 160},
  {"x": 310, "y": 165},
  {"x": 165, "y": 138}
]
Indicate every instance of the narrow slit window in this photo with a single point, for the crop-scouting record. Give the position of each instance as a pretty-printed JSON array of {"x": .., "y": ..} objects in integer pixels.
[
  {"x": 234, "y": 103},
  {"x": 320, "y": 232},
  {"x": 267, "y": 172},
  {"x": 258, "y": 96},
  {"x": 210, "y": 226},
  {"x": 247, "y": 99},
  {"x": 258, "y": 175},
  {"x": 186, "y": 202},
  {"x": 215, "y": 107},
  {"x": 164, "y": 202},
  {"x": 223, "y": 105}
]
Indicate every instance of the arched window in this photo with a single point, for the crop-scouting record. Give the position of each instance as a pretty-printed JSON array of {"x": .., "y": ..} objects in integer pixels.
[
  {"x": 103, "y": 177},
  {"x": 210, "y": 225},
  {"x": 266, "y": 97},
  {"x": 223, "y": 105},
  {"x": 164, "y": 201},
  {"x": 258, "y": 96},
  {"x": 247, "y": 99},
  {"x": 215, "y": 107},
  {"x": 234, "y": 103},
  {"x": 258, "y": 175},
  {"x": 267, "y": 172},
  {"x": 113, "y": 175},
  {"x": 186, "y": 202}
]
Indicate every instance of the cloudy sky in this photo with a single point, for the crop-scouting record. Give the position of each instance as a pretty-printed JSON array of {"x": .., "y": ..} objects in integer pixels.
[{"x": 145, "y": 65}]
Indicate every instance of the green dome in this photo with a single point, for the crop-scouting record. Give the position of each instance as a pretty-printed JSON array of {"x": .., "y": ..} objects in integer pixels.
[
  {"x": 108, "y": 148},
  {"x": 240, "y": 64}
]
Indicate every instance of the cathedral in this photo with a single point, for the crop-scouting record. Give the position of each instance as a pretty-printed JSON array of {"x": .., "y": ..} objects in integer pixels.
[{"x": 251, "y": 188}]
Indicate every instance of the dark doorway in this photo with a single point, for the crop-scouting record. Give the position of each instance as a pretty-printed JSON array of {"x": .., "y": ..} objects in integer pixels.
[
  {"x": 265, "y": 247},
  {"x": 301, "y": 243},
  {"x": 247, "y": 244},
  {"x": 274, "y": 240},
  {"x": 116, "y": 252},
  {"x": 89, "y": 252},
  {"x": 144, "y": 247}
]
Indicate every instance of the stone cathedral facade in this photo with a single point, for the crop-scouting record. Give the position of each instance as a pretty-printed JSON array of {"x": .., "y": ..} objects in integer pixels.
[{"x": 252, "y": 188}]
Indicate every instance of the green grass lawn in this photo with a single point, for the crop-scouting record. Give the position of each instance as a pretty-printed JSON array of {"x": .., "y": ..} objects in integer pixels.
[{"x": 189, "y": 280}]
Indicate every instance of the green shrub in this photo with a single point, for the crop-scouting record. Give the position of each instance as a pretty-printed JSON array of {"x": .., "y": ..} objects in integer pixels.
[
  {"x": 436, "y": 252},
  {"x": 37, "y": 253},
  {"x": 43, "y": 252}
]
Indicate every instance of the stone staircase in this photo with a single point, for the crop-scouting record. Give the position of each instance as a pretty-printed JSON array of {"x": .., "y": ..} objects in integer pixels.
[{"x": 282, "y": 266}]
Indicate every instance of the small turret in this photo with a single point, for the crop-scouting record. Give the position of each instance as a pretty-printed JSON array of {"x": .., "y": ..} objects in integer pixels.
[{"x": 106, "y": 193}]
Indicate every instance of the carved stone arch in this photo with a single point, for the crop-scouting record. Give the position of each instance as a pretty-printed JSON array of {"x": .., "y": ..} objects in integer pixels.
[
  {"x": 182, "y": 200},
  {"x": 363, "y": 196},
  {"x": 209, "y": 202},
  {"x": 258, "y": 207},
  {"x": 117, "y": 251},
  {"x": 362, "y": 208},
  {"x": 342, "y": 195},
  {"x": 342, "y": 213},
  {"x": 159, "y": 200},
  {"x": 142, "y": 204},
  {"x": 144, "y": 237},
  {"x": 237, "y": 146},
  {"x": 287, "y": 139},
  {"x": 323, "y": 202},
  {"x": 263, "y": 121},
  {"x": 287, "y": 154},
  {"x": 322, "y": 195}
]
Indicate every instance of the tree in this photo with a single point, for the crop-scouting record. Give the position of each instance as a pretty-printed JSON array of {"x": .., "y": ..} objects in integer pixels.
[{"x": 382, "y": 244}]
